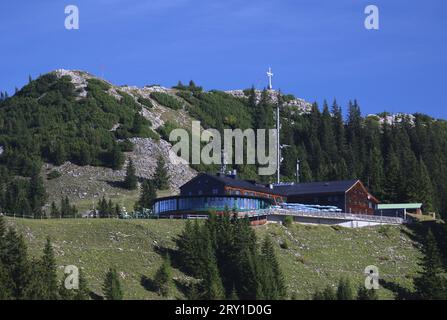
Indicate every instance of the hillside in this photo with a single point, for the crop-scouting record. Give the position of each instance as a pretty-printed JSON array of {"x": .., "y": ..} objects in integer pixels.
[
  {"x": 78, "y": 131},
  {"x": 316, "y": 255}
]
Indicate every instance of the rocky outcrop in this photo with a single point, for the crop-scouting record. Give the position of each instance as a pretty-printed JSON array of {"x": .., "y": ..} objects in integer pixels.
[
  {"x": 301, "y": 106},
  {"x": 144, "y": 157}
]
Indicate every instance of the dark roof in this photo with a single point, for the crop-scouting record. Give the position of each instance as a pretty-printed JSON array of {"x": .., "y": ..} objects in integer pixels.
[
  {"x": 315, "y": 187},
  {"x": 283, "y": 190},
  {"x": 242, "y": 184}
]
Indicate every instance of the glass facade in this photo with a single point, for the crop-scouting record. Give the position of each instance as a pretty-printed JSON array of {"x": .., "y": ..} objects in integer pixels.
[{"x": 207, "y": 203}]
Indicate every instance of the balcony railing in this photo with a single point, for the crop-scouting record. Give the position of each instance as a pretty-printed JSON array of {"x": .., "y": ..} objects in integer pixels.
[{"x": 336, "y": 215}]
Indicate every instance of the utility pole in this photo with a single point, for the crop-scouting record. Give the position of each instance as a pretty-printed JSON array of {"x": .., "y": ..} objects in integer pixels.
[
  {"x": 223, "y": 163},
  {"x": 297, "y": 170},
  {"x": 278, "y": 147}
]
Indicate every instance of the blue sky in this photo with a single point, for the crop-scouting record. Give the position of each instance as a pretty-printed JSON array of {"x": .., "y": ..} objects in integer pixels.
[{"x": 318, "y": 49}]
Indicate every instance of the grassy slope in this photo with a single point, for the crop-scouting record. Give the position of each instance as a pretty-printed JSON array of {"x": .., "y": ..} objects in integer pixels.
[{"x": 316, "y": 255}]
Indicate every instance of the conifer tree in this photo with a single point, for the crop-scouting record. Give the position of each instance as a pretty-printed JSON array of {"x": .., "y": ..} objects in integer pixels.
[
  {"x": 48, "y": 263},
  {"x": 275, "y": 287},
  {"x": 103, "y": 208},
  {"x": 54, "y": 211},
  {"x": 432, "y": 281},
  {"x": 83, "y": 292},
  {"x": 252, "y": 99},
  {"x": 117, "y": 211},
  {"x": 3, "y": 231},
  {"x": 393, "y": 184},
  {"x": 112, "y": 286},
  {"x": 344, "y": 290},
  {"x": 147, "y": 195},
  {"x": 16, "y": 263},
  {"x": 163, "y": 278},
  {"x": 212, "y": 283},
  {"x": 161, "y": 179},
  {"x": 366, "y": 294},
  {"x": 37, "y": 192},
  {"x": 64, "y": 293},
  {"x": 6, "y": 285},
  {"x": 130, "y": 181},
  {"x": 264, "y": 112},
  {"x": 116, "y": 157},
  {"x": 327, "y": 294}
]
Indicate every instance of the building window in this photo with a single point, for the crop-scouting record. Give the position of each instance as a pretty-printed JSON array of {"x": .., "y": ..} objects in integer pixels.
[{"x": 215, "y": 191}]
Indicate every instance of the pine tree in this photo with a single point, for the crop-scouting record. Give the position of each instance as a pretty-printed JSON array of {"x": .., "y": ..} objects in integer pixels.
[
  {"x": 48, "y": 263},
  {"x": 6, "y": 285},
  {"x": 375, "y": 174},
  {"x": 15, "y": 261},
  {"x": 264, "y": 112},
  {"x": 344, "y": 290},
  {"x": 432, "y": 281},
  {"x": 186, "y": 248},
  {"x": 130, "y": 181},
  {"x": 3, "y": 230},
  {"x": 117, "y": 211},
  {"x": 112, "y": 287},
  {"x": 147, "y": 196},
  {"x": 37, "y": 192},
  {"x": 212, "y": 283},
  {"x": 419, "y": 185},
  {"x": 252, "y": 99},
  {"x": 393, "y": 189},
  {"x": 366, "y": 294},
  {"x": 103, "y": 208},
  {"x": 116, "y": 157},
  {"x": 426, "y": 194},
  {"x": 327, "y": 294},
  {"x": 54, "y": 211},
  {"x": 83, "y": 292},
  {"x": 161, "y": 179},
  {"x": 64, "y": 293},
  {"x": 275, "y": 288},
  {"x": 163, "y": 278}
]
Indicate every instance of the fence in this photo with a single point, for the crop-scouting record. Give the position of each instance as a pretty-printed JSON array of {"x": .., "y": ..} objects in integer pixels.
[{"x": 337, "y": 215}]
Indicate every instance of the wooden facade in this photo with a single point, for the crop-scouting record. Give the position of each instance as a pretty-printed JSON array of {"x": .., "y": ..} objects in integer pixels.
[
  {"x": 351, "y": 197},
  {"x": 359, "y": 200}
]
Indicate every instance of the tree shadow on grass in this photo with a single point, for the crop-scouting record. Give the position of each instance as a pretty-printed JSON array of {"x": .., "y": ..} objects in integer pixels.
[
  {"x": 148, "y": 284},
  {"x": 116, "y": 184},
  {"x": 400, "y": 292},
  {"x": 184, "y": 288},
  {"x": 95, "y": 296},
  {"x": 418, "y": 231},
  {"x": 174, "y": 257}
]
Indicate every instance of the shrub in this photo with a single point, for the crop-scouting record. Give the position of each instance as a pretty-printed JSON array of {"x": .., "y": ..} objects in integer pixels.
[
  {"x": 145, "y": 102},
  {"x": 288, "y": 220},
  {"x": 166, "y": 129},
  {"x": 284, "y": 244},
  {"x": 53, "y": 175},
  {"x": 167, "y": 100}
]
